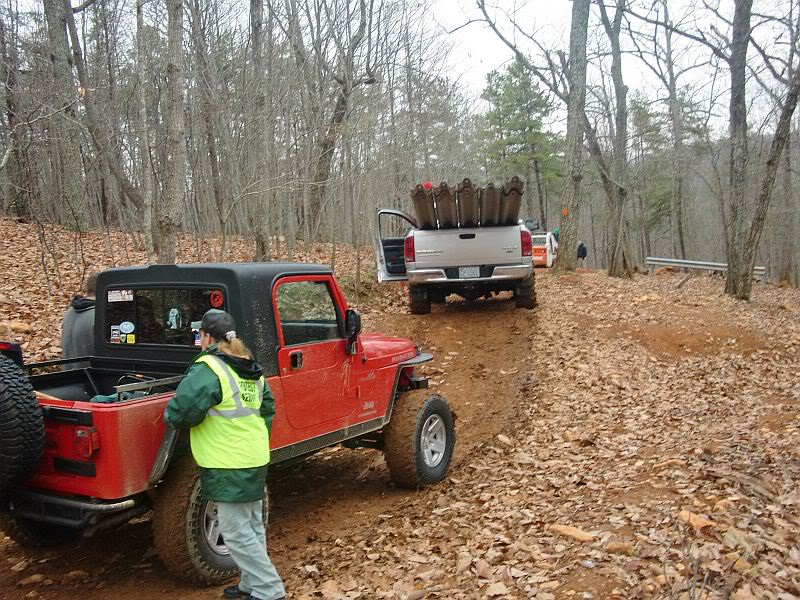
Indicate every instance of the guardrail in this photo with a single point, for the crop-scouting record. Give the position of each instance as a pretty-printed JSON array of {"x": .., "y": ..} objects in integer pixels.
[{"x": 653, "y": 262}]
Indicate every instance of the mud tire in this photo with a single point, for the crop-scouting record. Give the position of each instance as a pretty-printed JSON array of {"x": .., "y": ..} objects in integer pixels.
[
  {"x": 419, "y": 300},
  {"x": 403, "y": 439},
  {"x": 21, "y": 427},
  {"x": 525, "y": 294},
  {"x": 178, "y": 528},
  {"x": 35, "y": 534}
]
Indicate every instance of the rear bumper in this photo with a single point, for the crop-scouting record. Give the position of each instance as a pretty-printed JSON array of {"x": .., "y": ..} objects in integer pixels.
[
  {"x": 68, "y": 511},
  {"x": 500, "y": 273}
]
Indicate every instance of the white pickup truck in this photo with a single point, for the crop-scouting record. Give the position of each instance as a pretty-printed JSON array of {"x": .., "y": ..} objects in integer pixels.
[{"x": 437, "y": 261}]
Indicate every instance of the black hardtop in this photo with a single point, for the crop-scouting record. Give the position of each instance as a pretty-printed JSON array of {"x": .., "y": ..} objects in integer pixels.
[{"x": 248, "y": 294}]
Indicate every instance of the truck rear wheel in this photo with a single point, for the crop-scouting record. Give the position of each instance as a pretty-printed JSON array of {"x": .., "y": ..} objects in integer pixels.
[
  {"x": 419, "y": 300},
  {"x": 419, "y": 439},
  {"x": 21, "y": 426},
  {"x": 525, "y": 294},
  {"x": 35, "y": 534}
]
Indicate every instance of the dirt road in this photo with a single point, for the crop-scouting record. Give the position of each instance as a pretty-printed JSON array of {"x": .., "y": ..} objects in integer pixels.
[{"x": 616, "y": 408}]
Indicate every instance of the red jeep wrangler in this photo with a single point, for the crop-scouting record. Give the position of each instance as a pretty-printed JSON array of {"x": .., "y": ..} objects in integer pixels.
[{"x": 86, "y": 449}]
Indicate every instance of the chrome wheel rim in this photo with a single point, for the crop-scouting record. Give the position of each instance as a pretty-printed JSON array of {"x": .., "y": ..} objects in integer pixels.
[
  {"x": 212, "y": 531},
  {"x": 433, "y": 441}
]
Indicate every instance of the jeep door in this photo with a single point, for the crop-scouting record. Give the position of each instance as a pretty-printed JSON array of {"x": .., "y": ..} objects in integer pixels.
[
  {"x": 391, "y": 229},
  {"x": 312, "y": 358}
]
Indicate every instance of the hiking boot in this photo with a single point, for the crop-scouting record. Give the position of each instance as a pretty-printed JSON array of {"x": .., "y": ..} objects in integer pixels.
[{"x": 233, "y": 593}]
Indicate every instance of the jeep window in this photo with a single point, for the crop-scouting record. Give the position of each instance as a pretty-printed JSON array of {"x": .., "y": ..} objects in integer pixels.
[
  {"x": 158, "y": 315},
  {"x": 539, "y": 240},
  {"x": 307, "y": 313}
]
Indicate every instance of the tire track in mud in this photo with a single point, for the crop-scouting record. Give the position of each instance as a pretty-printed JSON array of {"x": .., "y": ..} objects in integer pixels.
[{"x": 482, "y": 357}]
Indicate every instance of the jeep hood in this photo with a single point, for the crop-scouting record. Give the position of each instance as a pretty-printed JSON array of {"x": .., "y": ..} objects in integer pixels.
[{"x": 384, "y": 349}]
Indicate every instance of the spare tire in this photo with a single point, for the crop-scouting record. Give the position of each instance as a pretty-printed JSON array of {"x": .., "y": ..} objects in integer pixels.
[{"x": 21, "y": 427}]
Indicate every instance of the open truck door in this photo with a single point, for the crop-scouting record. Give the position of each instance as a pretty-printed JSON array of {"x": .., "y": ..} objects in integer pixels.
[{"x": 392, "y": 226}]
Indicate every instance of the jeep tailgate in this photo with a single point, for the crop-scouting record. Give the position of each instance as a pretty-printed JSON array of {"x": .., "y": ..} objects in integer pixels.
[
  {"x": 467, "y": 247},
  {"x": 104, "y": 451}
]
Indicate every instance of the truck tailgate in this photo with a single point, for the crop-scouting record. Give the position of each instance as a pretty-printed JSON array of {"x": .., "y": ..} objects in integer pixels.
[{"x": 467, "y": 247}]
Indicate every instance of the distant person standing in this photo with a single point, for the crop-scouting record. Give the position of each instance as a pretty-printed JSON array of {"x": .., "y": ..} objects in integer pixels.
[
  {"x": 582, "y": 253},
  {"x": 77, "y": 328}
]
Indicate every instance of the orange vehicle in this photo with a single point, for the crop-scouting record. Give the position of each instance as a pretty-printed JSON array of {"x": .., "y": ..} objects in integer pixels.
[{"x": 545, "y": 249}]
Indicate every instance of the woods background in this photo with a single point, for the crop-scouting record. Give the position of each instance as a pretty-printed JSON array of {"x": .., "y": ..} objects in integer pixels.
[{"x": 666, "y": 128}]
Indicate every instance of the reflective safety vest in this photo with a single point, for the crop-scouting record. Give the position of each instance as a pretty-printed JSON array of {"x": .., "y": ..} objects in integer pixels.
[{"x": 233, "y": 434}]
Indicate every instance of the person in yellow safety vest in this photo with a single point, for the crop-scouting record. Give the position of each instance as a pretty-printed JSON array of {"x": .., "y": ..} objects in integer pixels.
[{"x": 227, "y": 405}]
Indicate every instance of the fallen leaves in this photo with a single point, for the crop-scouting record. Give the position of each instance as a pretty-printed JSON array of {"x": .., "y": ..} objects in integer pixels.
[
  {"x": 572, "y": 532},
  {"x": 695, "y": 520}
]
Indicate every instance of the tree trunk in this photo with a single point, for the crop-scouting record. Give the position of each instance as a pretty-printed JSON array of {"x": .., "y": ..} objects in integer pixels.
[
  {"x": 568, "y": 242},
  {"x": 786, "y": 270},
  {"x": 619, "y": 263},
  {"x": 537, "y": 171},
  {"x": 176, "y": 144},
  {"x": 742, "y": 285},
  {"x": 679, "y": 166},
  {"x": 261, "y": 161},
  {"x": 144, "y": 137},
  {"x": 63, "y": 127},
  {"x": 13, "y": 163}
]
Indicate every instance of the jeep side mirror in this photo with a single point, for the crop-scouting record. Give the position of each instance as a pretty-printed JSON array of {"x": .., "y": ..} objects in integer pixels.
[{"x": 352, "y": 323}]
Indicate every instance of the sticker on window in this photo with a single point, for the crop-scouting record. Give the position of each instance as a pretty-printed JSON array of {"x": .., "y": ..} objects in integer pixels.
[
  {"x": 115, "y": 335},
  {"x": 120, "y": 295},
  {"x": 216, "y": 299},
  {"x": 126, "y": 327}
]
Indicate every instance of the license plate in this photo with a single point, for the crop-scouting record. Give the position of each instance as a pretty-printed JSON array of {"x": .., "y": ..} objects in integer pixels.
[{"x": 469, "y": 272}]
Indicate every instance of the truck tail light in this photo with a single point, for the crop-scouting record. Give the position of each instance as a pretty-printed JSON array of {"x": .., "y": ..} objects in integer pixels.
[
  {"x": 86, "y": 441},
  {"x": 526, "y": 243},
  {"x": 408, "y": 248}
]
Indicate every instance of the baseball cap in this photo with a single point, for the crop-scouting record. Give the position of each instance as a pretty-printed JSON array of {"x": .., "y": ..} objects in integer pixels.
[{"x": 216, "y": 322}]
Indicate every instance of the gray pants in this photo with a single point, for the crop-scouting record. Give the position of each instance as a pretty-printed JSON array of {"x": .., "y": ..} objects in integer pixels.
[{"x": 243, "y": 531}]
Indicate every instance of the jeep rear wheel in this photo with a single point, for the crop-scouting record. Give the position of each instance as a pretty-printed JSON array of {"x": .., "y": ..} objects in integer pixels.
[
  {"x": 419, "y": 439},
  {"x": 186, "y": 532},
  {"x": 35, "y": 534},
  {"x": 21, "y": 426}
]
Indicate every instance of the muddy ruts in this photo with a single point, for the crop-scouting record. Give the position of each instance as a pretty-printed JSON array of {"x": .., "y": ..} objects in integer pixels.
[
  {"x": 490, "y": 206},
  {"x": 423, "y": 206},
  {"x": 446, "y": 207},
  {"x": 468, "y": 212},
  {"x": 511, "y": 202}
]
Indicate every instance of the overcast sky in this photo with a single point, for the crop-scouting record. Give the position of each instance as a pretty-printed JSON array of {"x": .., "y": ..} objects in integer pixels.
[{"x": 477, "y": 50}]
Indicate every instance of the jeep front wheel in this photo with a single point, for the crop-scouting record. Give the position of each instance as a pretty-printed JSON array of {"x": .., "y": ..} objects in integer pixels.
[
  {"x": 186, "y": 532},
  {"x": 419, "y": 439}
]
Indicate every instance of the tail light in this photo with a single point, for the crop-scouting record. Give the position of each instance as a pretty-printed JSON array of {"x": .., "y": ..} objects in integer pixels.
[
  {"x": 526, "y": 243},
  {"x": 86, "y": 441},
  {"x": 408, "y": 248}
]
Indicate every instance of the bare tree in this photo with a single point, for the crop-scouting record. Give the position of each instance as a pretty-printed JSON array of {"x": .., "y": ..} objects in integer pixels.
[
  {"x": 567, "y": 80},
  {"x": 175, "y": 186}
]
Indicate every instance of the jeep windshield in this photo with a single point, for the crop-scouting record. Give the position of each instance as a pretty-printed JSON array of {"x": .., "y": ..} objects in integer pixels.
[{"x": 158, "y": 315}]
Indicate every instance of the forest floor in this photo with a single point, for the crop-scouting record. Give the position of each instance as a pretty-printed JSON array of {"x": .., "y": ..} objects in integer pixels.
[{"x": 626, "y": 439}]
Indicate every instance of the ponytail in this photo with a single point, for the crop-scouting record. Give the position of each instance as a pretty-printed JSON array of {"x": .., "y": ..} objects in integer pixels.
[{"x": 234, "y": 347}]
